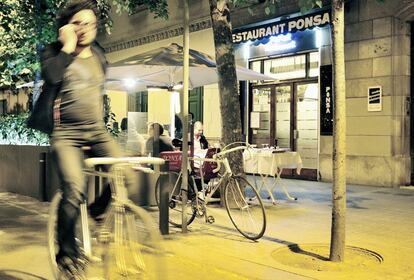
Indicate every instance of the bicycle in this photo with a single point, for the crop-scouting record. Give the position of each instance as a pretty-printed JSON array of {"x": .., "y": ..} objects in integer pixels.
[
  {"x": 242, "y": 201},
  {"x": 126, "y": 243}
]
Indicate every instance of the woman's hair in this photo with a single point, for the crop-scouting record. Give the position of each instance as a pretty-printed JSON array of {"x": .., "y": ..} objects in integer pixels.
[
  {"x": 160, "y": 127},
  {"x": 74, "y": 7},
  {"x": 124, "y": 124}
]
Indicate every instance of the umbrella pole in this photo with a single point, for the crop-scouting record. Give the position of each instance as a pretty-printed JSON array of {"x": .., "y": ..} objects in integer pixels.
[{"x": 184, "y": 166}]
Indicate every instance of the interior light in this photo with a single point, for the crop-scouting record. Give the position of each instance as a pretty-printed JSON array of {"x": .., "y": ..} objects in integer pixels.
[
  {"x": 129, "y": 83},
  {"x": 177, "y": 87},
  {"x": 155, "y": 88},
  {"x": 311, "y": 92},
  {"x": 280, "y": 42},
  {"x": 318, "y": 38},
  {"x": 246, "y": 49}
]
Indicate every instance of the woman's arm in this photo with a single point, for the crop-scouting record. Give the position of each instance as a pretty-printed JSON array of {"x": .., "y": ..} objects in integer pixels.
[{"x": 54, "y": 62}]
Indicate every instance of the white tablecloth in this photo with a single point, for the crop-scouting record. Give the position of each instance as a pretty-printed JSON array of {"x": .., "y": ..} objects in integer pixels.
[{"x": 267, "y": 161}]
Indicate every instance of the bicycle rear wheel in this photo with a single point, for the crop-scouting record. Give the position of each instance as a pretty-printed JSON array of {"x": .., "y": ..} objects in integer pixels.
[
  {"x": 245, "y": 208},
  {"x": 133, "y": 244},
  {"x": 175, "y": 202}
]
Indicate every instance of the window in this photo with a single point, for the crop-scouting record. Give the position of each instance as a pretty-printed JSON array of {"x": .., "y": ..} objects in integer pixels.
[
  {"x": 313, "y": 64},
  {"x": 289, "y": 67},
  {"x": 286, "y": 68},
  {"x": 138, "y": 102}
]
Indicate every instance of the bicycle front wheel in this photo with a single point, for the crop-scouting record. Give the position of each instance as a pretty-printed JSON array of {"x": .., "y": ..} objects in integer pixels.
[
  {"x": 134, "y": 249},
  {"x": 245, "y": 208}
]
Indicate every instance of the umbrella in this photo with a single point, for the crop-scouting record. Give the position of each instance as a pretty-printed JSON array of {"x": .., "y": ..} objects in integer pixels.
[{"x": 163, "y": 67}]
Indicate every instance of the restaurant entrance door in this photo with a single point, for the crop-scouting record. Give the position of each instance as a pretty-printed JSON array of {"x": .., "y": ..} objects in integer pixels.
[{"x": 286, "y": 115}]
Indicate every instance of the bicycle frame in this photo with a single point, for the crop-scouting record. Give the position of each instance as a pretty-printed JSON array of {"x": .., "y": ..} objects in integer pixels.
[{"x": 237, "y": 200}]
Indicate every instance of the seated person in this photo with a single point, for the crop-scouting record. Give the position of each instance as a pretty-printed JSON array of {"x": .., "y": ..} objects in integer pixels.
[
  {"x": 178, "y": 127},
  {"x": 155, "y": 136},
  {"x": 132, "y": 143},
  {"x": 200, "y": 141}
]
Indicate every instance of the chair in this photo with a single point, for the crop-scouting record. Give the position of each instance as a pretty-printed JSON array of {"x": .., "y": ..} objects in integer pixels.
[
  {"x": 174, "y": 159},
  {"x": 205, "y": 172}
]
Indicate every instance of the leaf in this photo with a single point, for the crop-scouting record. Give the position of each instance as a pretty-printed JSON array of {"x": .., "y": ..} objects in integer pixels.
[
  {"x": 267, "y": 11},
  {"x": 303, "y": 10},
  {"x": 319, "y": 3}
]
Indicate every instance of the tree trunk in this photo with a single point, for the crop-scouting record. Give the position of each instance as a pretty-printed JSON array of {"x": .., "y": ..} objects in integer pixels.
[
  {"x": 337, "y": 249},
  {"x": 226, "y": 67}
]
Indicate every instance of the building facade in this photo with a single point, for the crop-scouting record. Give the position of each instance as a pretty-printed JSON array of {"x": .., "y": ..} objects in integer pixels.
[{"x": 295, "y": 109}]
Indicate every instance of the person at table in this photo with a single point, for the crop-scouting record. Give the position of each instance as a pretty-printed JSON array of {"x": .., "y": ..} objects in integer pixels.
[
  {"x": 156, "y": 137},
  {"x": 131, "y": 142},
  {"x": 200, "y": 141}
]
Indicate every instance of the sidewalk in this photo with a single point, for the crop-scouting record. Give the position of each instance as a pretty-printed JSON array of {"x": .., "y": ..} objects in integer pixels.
[{"x": 378, "y": 219}]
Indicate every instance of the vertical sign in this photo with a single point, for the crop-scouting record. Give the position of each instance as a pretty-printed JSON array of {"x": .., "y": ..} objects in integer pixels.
[
  {"x": 374, "y": 99},
  {"x": 326, "y": 101}
]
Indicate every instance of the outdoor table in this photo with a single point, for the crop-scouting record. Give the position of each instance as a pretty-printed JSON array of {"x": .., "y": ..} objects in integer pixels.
[{"x": 270, "y": 162}]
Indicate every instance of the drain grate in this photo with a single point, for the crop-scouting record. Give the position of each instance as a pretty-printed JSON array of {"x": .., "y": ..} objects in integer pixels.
[{"x": 316, "y": 257}]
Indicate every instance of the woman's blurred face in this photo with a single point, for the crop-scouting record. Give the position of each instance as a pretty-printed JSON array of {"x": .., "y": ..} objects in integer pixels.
[
  {"x": 85, "y": 22},
  {"x": 150, "y": 131}
]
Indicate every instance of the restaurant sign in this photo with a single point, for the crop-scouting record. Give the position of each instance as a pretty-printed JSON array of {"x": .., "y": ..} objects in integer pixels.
[
  {"x": 292, "y": 25},
  {"x": 327, "y": 100}
]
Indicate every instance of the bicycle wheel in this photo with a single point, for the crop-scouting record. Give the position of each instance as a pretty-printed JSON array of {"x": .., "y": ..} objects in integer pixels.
[
  {"x": 245, "y": 208},
  {"x": 90, "y": 256},
  {"x": 175, "y": 201},
  {"x": 133, "y": 244}
]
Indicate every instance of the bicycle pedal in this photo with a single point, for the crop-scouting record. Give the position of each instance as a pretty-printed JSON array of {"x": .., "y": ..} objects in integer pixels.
[
  {"x": 200, "y": 213},
  {"x": 95, "y": 259},
  {"x": 172, "y": 204},
  {"x": 210, "y": 219}
]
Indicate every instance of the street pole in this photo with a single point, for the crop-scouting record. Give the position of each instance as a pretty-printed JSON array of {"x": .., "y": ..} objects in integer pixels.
[{"x": 184, "y": 167}]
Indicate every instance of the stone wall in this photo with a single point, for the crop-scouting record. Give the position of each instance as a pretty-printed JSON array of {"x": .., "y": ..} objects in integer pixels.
[{"x": 377, "y": 51}]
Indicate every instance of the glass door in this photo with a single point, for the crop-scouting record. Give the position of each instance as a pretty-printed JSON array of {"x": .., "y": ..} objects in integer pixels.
[
  {"x": 283, "y": 115},
  {"x": 305, "y": 133},
  {"x": 260, "y": 116}
]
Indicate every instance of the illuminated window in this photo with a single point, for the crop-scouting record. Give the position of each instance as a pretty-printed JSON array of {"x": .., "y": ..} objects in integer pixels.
[
  {"x": 286, "y": 68},
  {"x": 313, "y": 64},
  {"x": 289, "y": 67},
  {"x": 256, "y": 66}
]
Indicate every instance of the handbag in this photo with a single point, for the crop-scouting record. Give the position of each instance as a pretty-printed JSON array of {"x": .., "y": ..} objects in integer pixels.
[{"x": 41, "y": 116}]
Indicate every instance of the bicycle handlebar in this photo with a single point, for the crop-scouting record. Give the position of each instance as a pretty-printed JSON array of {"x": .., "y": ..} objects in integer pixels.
[
  {"x": 223, "y": 153},
  {"x": 90, "y": 162}
]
